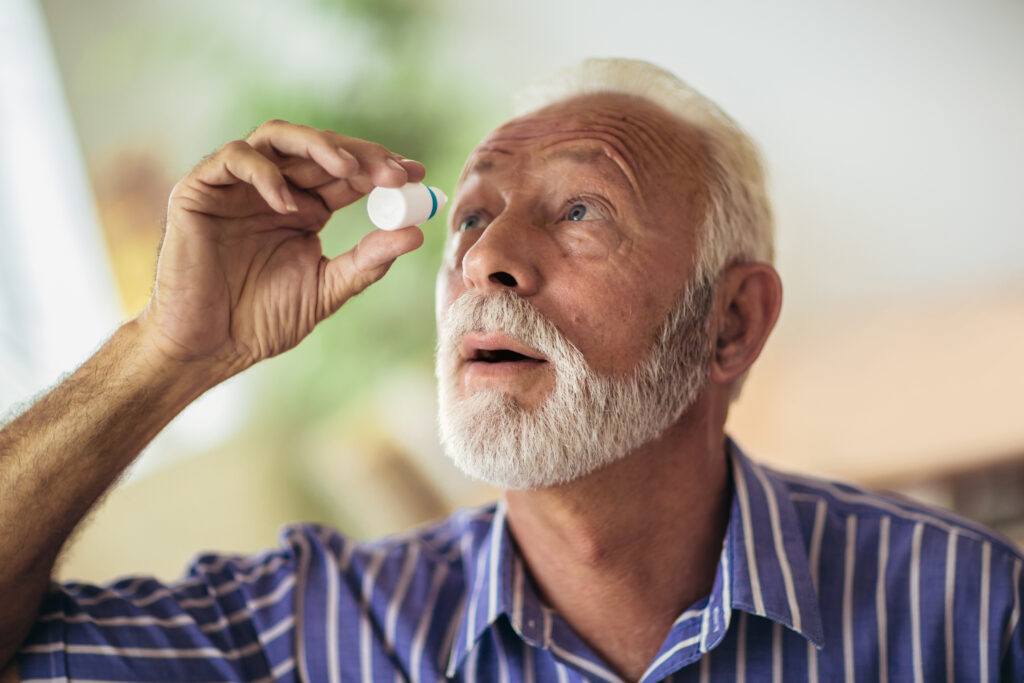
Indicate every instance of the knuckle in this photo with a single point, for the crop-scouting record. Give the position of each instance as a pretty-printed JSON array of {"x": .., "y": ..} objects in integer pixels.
[{"x": 236, "y": 147}]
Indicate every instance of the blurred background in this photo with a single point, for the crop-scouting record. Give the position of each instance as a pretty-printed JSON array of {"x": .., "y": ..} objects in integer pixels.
[{"x": 893, "y": 140}]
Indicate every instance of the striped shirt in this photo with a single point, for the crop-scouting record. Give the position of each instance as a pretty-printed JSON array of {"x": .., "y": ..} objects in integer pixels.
[{"x": 817, "y": 581}]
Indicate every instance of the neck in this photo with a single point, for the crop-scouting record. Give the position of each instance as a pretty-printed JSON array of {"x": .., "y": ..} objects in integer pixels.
[{"x": 633, "y": 544}]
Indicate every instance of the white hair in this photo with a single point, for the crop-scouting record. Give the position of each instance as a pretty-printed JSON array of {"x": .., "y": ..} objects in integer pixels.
[{"x": 737, "y": 225}]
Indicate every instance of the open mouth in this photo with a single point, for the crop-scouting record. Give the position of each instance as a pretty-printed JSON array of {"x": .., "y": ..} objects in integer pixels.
[
  {"x": 496, "y": 348},
  {"x": 502, "y": 356}
]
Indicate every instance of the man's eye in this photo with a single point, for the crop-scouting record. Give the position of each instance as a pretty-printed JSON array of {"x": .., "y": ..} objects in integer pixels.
[
  {"x": 469, "y": 223},
  {"x": 582, "y": 212}
]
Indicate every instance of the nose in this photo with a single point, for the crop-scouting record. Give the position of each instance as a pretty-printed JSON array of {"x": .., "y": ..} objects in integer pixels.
[{"x": 502, "y": 257}]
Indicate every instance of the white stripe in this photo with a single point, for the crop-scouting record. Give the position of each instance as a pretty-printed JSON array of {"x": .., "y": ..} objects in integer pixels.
[
  {"x": 881, "y": 602},
  {"x": 915, "y": 600},
  {"x": 42, "y": 648},
  {"x": 819, "y": 529},
  {"x": 283, "y": 668},
  {"x": 690, "y": 614},
  {"x": 529, "y": 675},
  {"x": 469, "y": 671},
  {"x": 693, "y": 640},
  {"x": 398, "y": 597},
  {"x": 741, "y": 649},
  {"x": 495, "y": 551},
  {"x": 546, "y": 614},
  {"x": 726, "y": 592},
  {"x": 561, "y": 673},
  {"x": 474, "y": 604},
  {"x": 331, "y": 627},
  {"x": 447, "y": 646},
  {"x": 346, "y": 556},
  {"x": 950, "y": 601},
  {"x": 986, "y": 567},
  {"x": 265, "y": 600},
  {"x": 365, "y": 629},
  {"x": 702, "y": 635},
  {"x": 142, "y": 620},
  {"x": 1015, "y": 614},
  {"x": 300, "y": 607},
  {"x": 459, "y": 615},
  {"x": 748, "y": 536},
  {"x": 780, "y": 550},
  {"x": 777, "y": 653},
  {"x": 849, "y": 566},
  {"x": 517, "y": 595},
  {"x": 148, "y": 652},
  {"x": 502, "y": 665},
  {"x": 419, "y": 640},
  {"x": 277, "y": 629},
  {"x": 814, "y": 560},
  {"x": 595, "y": 669}
]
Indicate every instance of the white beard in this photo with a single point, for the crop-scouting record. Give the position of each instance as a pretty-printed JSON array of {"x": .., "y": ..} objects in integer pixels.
[{"x": 588, "y": 421}]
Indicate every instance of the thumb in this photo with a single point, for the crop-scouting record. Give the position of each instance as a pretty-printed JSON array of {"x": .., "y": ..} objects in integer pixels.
[{"x": 348, "y": 274}]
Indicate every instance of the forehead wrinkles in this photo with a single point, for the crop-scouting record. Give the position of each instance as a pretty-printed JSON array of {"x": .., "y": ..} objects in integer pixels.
[{"x": 656, "y": 150}]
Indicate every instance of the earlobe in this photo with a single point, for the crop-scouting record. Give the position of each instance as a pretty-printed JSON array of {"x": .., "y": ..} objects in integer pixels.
[{"x": 749, "y": 301}]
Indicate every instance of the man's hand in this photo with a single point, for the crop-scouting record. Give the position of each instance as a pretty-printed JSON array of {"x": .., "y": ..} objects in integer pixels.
[{"x": 242, "y": 275}]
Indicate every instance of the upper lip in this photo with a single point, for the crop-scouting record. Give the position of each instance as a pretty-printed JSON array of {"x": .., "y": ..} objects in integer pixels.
[{"x": 475, "y": 344}]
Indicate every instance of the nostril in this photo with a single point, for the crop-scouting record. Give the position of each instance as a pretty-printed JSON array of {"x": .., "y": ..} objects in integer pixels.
[{"x": 503, "y": 278}]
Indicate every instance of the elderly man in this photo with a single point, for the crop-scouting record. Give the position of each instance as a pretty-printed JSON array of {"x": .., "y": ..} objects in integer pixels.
[{"x": 605, "y": 289}]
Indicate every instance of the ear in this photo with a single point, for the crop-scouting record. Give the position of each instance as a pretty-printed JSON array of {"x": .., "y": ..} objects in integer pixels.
[{"x": 747, "y": 304}]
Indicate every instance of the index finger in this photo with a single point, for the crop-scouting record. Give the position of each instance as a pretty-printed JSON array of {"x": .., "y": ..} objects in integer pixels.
[{"x": 290, "y": 139}]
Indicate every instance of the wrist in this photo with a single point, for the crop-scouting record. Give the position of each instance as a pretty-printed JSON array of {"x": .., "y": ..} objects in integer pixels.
[{"x": 179, "y": 380}]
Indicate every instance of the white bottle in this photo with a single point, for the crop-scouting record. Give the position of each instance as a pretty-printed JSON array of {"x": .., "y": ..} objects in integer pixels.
[{"x": 391, "y": 208}]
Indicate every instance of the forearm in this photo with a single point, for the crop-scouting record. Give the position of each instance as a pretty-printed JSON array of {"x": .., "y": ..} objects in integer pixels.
[{"x": 60, "y": 456}]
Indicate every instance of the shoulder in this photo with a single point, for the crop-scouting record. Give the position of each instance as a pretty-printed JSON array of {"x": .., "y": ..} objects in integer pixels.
[
  {"x": 450, "y": 542},
  {"x": 876, "y": 511}
]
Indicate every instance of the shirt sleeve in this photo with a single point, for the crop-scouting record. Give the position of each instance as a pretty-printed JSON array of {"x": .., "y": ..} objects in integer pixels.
[
  {"x": 229, "y": 618},
  {"x": 1012, "y": 650}
]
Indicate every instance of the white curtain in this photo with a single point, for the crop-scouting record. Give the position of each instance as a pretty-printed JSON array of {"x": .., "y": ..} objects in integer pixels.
[
  {"x": 57, "y": 295},
  {"x": 58, "y": 299}
]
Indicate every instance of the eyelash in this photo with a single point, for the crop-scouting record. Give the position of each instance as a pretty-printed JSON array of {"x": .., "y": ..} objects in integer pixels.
[{"x": 590, "y": 204}]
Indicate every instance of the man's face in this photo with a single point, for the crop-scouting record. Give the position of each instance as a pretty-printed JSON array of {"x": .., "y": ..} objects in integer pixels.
[{"x": 585, "y": 211}]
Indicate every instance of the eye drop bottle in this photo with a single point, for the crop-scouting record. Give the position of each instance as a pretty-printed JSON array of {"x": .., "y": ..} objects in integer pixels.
[{"x": 391, "y": 208}]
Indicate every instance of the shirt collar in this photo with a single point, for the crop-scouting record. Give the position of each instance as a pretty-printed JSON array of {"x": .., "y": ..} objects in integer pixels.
[
  {"x": 765, "y": 545},
  {"x": 488, "y": 562},
  {"x": 763, "y": 570}
]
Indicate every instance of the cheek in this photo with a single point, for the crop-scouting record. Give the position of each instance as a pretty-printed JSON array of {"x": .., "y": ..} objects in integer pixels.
[
  {"x": 447, "y": 288},
  {"x": 587, "y": 241},
  {"x": 457, "y": 246},
  {"x": 611, "y": 320}
]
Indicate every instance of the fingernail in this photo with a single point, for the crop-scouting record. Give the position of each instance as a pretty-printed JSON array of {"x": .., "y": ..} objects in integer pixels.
[
  {"x": 288, "y": 200},
  {"x": 411, "y": 161},
  {"x": 394, "y": 164},
  {"x": 345, "y": 154}
]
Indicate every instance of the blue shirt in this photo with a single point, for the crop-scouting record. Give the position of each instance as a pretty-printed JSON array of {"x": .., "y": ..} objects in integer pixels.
[{"x": 817, "y": 581}]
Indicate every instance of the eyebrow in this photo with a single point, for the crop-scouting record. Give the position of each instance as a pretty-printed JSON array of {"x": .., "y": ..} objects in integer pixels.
[
  {"x": 587, "y": 155},
  {"x": 482, "y": 166}
]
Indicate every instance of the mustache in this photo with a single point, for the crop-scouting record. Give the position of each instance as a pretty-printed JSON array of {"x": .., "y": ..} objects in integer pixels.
[{"x": 508, "y": 313}]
